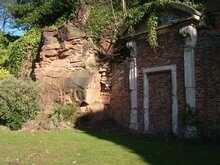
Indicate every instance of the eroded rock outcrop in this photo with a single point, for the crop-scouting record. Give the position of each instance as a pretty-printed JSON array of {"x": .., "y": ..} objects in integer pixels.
[{"x": 68, "y": 69}]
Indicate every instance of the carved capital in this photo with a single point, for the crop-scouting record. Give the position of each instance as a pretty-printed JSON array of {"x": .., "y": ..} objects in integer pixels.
[
  {"x": 190, "y": 33},
  {"x": 132, "y": 45}
]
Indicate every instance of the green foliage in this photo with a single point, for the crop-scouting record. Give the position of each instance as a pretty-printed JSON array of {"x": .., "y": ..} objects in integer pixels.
[
  {"x": 17, "y": 50},
  {"x": 3, "y": 40},
  {"x": 20, "y": 101},
  {"x": 41, "y": 13},
  {"x": 152, "y": 24},
  {"x": 196, "y": 5},
  {"x": 4, "y": 73},
  {"x": 150, "y": 10},
  {"x": 65, "y": 112},
  {"x": 101, "y": 17},
  {"x": 3, "y": 51}
]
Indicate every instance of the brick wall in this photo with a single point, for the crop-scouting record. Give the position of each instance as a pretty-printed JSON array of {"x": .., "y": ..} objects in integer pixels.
[
  {"x": 160, "y": 103},
  {"x": 120, "y": 97},
  {"x": 208, "y": 80},
  {"x": 171, "y": 51}
]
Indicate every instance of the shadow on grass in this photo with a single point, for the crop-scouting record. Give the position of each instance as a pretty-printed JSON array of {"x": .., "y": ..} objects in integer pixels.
[{"x": 155, "y": 151}]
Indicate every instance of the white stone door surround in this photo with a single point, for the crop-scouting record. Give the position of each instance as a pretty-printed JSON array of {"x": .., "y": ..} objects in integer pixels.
[{"x": 146, "y": 71}]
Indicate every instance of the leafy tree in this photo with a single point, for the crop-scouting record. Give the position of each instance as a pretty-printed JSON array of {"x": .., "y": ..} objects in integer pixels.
[{"x": 41, "y": 13}]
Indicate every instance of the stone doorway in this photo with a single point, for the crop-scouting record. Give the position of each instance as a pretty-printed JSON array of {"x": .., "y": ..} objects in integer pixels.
[{"x": 160, "y": 100}]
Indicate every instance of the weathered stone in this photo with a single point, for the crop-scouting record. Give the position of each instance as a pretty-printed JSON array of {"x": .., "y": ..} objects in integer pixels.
[
  {"x": 51, "y": 46},
  {"x": 55, "y": 74},
  {"x": 107, "y": 41},
  {"x": 49, "y": 53},
  {"x": 50, "y": 29},
  {"x": 83, "y": 15},
  {"x": 87, "y": 46},
  {"x": 90, "y": 62},
  {"x": 50, "y": 40},
  {"x": 68, "y": 45},
  {"x": 75, "y": 59},
  {"x": 66, "y": 54},
  {"x": 53, "y": 58},
  {"x": 68, "y": 32},
  {"x": 68, "y": 70}
]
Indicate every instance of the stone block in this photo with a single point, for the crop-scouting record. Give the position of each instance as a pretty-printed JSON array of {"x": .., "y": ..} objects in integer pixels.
[
  {"x": 51, "y": 46},
  {"x": 49, "y": 53}
]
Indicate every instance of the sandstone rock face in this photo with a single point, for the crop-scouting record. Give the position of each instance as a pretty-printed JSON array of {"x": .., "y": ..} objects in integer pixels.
[
  {"x": 107, "y": 41},
  {"x": 83, "y": 15},
  {"x": 68, "y": 71}
]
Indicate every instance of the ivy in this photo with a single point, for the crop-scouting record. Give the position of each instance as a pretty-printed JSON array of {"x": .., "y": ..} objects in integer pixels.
[
  {"x": 152, "y": 24},
  {"x": 17, "y": 50},
  {"x": 150, "y": 10},
  {"x": 100, "y": 18}
]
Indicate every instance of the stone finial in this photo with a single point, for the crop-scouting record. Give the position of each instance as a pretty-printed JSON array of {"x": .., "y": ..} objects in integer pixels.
[{"x": 192, "y": 32}]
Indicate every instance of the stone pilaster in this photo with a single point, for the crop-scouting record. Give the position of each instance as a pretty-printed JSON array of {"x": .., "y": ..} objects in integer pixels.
[
  {"x": 133, "y": 85},
  {"x": 190, "y": 34}
]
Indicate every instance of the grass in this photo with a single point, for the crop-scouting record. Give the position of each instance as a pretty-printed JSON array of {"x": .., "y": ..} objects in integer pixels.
[{"x": 98, "y": 148}]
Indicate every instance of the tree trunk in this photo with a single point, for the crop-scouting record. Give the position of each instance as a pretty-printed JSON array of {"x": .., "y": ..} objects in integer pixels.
[{"x": 124, "y": 8}]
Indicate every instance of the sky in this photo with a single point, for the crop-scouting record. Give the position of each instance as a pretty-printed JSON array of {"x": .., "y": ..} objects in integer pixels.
[
  {"x": 9, "y": 29},
  {"x": 10, "y": 24},
  {"x": 14, "y": 31}
]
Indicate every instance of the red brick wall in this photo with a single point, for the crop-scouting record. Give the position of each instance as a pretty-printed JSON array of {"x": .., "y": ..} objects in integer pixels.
[
  {"x": 208, "y": 80},
  {"x": 160, "y": 100},
  {"x": 120, "y": 97},
  {"x": 169, "y": 52}
]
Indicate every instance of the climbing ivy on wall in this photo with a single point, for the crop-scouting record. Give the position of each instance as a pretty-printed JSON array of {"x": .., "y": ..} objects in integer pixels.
[{"x": 150, "y": 10}]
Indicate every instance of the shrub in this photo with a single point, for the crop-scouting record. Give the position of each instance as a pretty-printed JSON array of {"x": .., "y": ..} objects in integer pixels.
[
  {"x": 20, "y": 101},
  {"x": 66, "y": 112}
]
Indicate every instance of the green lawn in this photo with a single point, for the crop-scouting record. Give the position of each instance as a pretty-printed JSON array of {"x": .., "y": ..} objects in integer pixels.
[{"x": 98, "y": 148}]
